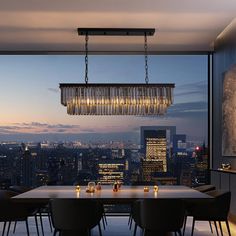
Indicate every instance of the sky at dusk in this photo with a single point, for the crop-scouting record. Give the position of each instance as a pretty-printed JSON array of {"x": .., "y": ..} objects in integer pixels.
[{"x": 30, "y": 96}]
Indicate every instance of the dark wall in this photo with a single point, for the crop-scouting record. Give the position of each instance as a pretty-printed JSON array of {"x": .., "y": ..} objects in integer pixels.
[{"x": 223, "y": 59}]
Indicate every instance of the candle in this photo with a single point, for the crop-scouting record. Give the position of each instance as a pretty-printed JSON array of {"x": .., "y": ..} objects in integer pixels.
[
  {"x": 155, "y": 188},
  {"x": 146, "y": 189},
  {"x": 77, "y": 188}
]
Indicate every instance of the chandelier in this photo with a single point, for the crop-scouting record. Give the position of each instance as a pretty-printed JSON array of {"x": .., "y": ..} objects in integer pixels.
[{"x": 116, "y": 99}]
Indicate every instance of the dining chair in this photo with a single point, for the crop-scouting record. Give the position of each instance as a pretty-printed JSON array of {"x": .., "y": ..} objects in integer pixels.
[
  {"x": 11, "y": 211},
  {"x": 161, "y": 216},
  {"x": 212, "y": 210},
  {"x": 42, "y": 208},
  {"x": 189, "y": 203},
  {"x": 70, "y": 216},
  {"x": 136, "y": 216}
]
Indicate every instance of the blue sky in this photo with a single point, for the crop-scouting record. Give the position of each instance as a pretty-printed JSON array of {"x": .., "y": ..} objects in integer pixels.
[{"x": 30, "y": 97}]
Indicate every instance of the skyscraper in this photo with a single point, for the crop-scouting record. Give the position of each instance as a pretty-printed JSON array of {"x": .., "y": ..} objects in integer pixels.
[
  {"x": 156, "y": 148},
  {"x": 27, "y": 167},
  {"x": 151, "y": 132},
  {"x": 155, "y": 142},
  {"x": 179, "y": 145},
  {"x": 110, "y": 170}
]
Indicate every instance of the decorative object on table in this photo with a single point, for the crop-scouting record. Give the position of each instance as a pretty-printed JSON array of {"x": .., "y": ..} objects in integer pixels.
[
  {"x": 225, "y": 166},
  {"x": 155, "y": 188},
  {"x": 119, "y": 184},
  {"x": 229, "y": 113},
  {"x": 77, "y": 188},
  {"x": 146, "y": 189},
  {"x": 116, "y": 99},
  {"x": 91, "y": 187},
  {"x": 98, "y": 186},
  {"x": 115, "y": 187}
]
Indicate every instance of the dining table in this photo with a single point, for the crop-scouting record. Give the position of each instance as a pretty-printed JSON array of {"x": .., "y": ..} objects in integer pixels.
[{"x": 125, "y": 194}]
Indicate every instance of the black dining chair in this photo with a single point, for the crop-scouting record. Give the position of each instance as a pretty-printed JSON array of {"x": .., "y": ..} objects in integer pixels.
[
  {"x": 189, "y": 203},
  {"x": 212, "y": 210},
  {"x": 12, "y": 211},
  {"x": 74, "y": 216},
  {"x": 136, "y": 216},
  {"x": 41, "y": 208},
  {"x": 161, "y": 216}
]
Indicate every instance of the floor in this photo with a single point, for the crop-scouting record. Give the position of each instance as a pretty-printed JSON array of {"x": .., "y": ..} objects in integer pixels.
[{"x": 117, "y": 226}]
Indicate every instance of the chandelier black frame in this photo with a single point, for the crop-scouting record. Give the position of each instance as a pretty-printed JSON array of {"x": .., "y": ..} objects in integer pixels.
[{"x": 113, "y": 98}]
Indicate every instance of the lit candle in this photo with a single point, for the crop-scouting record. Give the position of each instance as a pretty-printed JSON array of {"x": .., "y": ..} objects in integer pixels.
[
  {"x": 77, "y": 188},
  {"x": 146, "y": 189},
  {"x": 155, "y": 188}
]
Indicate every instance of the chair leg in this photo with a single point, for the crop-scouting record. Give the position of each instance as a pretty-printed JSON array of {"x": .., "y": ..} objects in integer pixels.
[
  {"x": 179, "y": 232},
  {"x": 8, "y": 228},
  {"x": 103, "y": 223},
  {"x": 4, "y": 227},
  {"x": 210, "y": 227},
  {"x": 130, "y": 225},
  {"x": 105, "y": 218},
  {"x": 193, "y": 224},
  {"x": 100, "y": 229},
  {"x": 36, "y": 223},
  {"x": 221, "y": 231},
  {"x": 135, "y": 229},
  {"x": 14, "y": 229},
  {"x": 185, "y": 222},
  {"x": 227, "y": 224},
  {"x": 217, "y": 233},
  {"x": 41, "y": 222},
  {"x": 50, "y": 221},
  {"x": 129, "y": 218},
  {"x": 27, "y": 226},
  {"x": 55, "y": 232}
]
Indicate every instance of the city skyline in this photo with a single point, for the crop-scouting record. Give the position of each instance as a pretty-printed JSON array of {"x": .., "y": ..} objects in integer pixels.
[{"x": 30, "y": 96}]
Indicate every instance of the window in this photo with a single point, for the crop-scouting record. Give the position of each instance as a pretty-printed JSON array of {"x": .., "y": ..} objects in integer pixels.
[{"x": 40, "y": 144}]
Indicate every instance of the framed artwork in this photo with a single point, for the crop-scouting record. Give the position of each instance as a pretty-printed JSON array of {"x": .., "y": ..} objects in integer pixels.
[{"x": 229, "y": 113}]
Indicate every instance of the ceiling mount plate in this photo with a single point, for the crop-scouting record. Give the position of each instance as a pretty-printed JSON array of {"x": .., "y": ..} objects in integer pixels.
[{"x": 116, "y": 31}]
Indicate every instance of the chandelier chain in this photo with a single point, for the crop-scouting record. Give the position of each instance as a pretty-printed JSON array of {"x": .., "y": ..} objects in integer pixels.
[
  {"x": 146, "y": 58},
  {"x": 86, "y": 58}
]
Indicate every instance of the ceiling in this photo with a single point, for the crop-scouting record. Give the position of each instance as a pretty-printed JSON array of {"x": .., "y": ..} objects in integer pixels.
[{"x": 50, "y": 26}]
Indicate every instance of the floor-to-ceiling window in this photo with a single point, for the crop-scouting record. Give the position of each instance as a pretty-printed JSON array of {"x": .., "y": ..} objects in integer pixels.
[{"x": 40, "y": 144}]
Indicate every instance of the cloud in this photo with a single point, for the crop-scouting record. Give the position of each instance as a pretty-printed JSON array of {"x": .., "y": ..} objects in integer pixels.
[
  {"x": 192, "y": 109},
  {"x": 54, "y": 90},
  {"x": 7, "y": 131},
  {"x": 89, "y": 130},
  {"x": 37, "y": 127},
  {"x": 197, "y": 88},
  {"x": 61, "y": 131},
  {"x": 35, "y": 124}
]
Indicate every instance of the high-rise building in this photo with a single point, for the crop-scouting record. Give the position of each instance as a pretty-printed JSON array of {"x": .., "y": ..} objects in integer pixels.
[
  {"x": 150, "y": 132},
  {"x": 110, "y": 170},
  {"x": 27, "y": 167},
  {"x": 179, "y": 145},
  {"x": 156, "y": 148},
  {"x": 149, "y": 168},
  {"x": 155, "y": 145}
]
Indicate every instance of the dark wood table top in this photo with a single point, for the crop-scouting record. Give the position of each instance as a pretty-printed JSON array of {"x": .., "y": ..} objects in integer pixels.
[{"x": 125, "y": 194}]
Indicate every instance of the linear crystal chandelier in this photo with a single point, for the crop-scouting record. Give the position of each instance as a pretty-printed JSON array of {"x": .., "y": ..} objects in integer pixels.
[{"x": 116, "y": 99}]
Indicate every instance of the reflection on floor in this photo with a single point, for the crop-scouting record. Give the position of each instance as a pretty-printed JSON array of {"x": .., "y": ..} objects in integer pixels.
[{"x": 117, "y": 226}]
